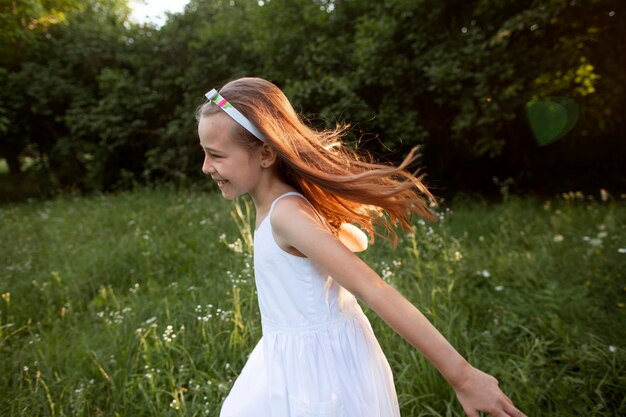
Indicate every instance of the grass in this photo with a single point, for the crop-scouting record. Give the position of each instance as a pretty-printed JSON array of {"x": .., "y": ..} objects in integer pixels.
[{"x": 143, "y": 304}]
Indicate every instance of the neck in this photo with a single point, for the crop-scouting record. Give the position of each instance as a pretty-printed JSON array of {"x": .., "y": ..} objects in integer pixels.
[{"x": 268, "y": 189}]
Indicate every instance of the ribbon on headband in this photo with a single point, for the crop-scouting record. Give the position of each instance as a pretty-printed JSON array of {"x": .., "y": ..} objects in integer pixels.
[{"x": 215, "y": 97}]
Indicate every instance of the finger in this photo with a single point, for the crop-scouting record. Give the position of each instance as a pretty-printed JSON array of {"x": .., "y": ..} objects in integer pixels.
[
  {"x": 508, "y": 401},
  {"x": 471, "y": 413},
  {"x": 512, "y": 411}
]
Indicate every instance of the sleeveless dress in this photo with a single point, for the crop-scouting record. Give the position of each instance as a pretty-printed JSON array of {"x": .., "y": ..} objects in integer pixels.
[{"x": 318, "y": 355}]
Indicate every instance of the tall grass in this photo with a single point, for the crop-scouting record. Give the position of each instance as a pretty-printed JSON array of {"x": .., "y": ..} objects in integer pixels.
[{"x": 144, "y": 303}]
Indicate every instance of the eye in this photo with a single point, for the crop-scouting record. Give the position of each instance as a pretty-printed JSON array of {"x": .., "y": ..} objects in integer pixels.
[{"x": 211, "y": 154}]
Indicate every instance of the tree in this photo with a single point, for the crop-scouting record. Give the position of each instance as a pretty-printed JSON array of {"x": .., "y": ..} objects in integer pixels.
[{"x": 102, "y": 102}]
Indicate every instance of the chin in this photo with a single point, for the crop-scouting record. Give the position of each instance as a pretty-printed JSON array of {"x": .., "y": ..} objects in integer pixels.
[{"x": 230, "y": 196}]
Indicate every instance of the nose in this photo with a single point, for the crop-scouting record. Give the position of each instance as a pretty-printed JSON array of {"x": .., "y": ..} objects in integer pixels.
[{"x": 207, "y": 167}]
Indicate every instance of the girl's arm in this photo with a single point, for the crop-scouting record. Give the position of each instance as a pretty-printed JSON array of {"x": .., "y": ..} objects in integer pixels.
[{"x": 295, "y": 225}]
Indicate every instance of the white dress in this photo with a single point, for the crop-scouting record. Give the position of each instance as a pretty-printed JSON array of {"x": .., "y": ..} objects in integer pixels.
[{"x": 318, "y": 355}]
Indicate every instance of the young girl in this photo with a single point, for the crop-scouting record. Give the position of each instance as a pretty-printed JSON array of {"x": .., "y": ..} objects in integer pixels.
[{"x": 318, "y": 355}]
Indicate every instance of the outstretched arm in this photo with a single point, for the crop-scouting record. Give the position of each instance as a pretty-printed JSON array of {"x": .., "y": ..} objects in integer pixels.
[{"x": 295, "y": 225}]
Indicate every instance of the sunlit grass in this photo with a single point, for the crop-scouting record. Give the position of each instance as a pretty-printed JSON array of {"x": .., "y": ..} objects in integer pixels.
[{"x": 143, "y": 303}]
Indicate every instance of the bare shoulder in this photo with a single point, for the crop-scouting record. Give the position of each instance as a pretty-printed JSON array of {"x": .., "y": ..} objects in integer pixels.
[
  {"x": 293, "y": 218},
  {"x": 296, "y": 226},
  {"x": 291, "y": 213}
]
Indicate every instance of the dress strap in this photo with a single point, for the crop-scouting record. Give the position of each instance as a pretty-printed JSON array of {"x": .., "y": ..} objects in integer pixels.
[
  {"x": 305, "y": 199},
  {"x": 284, "y": 195}
]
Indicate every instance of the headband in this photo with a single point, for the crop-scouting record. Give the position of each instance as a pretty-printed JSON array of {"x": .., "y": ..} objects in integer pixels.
[{"x": 214, "y": 97}]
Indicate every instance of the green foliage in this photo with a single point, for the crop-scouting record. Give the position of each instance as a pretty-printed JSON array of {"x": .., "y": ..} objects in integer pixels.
[
  {"x": 144, "y": 304},
  {"x": 101, "y": 103}
]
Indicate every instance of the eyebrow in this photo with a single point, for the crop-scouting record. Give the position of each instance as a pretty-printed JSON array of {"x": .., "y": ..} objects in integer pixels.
[{"x": 210, "y": 149}]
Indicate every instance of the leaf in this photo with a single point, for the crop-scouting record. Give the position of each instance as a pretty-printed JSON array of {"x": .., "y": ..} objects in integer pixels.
[{"x": 551, "y": 118}]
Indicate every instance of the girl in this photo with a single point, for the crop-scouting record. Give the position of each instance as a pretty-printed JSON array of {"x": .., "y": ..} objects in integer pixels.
[{"x": 318, "y": 355}]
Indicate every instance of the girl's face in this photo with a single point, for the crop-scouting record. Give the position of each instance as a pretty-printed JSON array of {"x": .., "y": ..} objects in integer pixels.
[{"x": 235, "y": 168}]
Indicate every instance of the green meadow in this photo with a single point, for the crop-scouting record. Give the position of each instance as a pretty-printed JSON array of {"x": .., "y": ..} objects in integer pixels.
[{"x": 143, "y": 303}]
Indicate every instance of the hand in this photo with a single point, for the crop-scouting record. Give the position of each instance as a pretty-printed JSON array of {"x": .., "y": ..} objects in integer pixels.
[{"x": 478, "y": 391}]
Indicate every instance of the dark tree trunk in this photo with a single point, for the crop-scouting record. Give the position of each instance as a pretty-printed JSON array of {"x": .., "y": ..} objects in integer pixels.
[{"x": 15, "y": 168}]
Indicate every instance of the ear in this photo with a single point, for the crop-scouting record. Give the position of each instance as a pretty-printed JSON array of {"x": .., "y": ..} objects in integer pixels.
[{"x": 268, "y": 156}]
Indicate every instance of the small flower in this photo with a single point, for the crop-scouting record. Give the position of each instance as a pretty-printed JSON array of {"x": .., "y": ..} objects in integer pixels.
[
  {"x": 498, "y": 288},
  {"x": 236, "y": 246},
  {"x": 612, "y": 349},
  {"x": 457, "y": 256},
  {"x": 386, "y": 273},
  {"x": 558, "y": 238},
  {"x": 595, "y": 242},
  {"x": 175, "y": 404},
  {"x": 169, "y": 335},
  {"x": 621, "y": 250},
  {"x": 484, "y": 273}
]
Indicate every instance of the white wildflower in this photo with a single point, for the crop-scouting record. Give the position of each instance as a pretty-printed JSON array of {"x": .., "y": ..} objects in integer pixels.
[
  {"x": 168, "y": 334},
  {"x": 175, "y": 404},
  {"x": 595, "y": 242},
  {"x": 236, "y": 246}
]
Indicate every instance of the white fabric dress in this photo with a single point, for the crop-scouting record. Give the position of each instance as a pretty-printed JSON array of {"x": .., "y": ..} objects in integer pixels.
[{"x": 318, "y": 355}]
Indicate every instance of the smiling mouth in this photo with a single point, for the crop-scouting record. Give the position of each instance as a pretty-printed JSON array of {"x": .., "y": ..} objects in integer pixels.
[{"x": 221, "y": 183}]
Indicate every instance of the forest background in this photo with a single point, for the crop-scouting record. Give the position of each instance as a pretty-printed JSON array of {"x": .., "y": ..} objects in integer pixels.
[
  {"x": 126, "y": 289},
  {"x": 527, "y": 95}
]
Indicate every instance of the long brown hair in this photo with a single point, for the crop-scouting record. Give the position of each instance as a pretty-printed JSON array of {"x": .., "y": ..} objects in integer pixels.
[{"x": 343, "y": 185}]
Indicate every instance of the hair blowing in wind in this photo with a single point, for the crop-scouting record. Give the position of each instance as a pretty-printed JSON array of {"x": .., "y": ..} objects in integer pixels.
[{"x": 344, "y": 185}]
